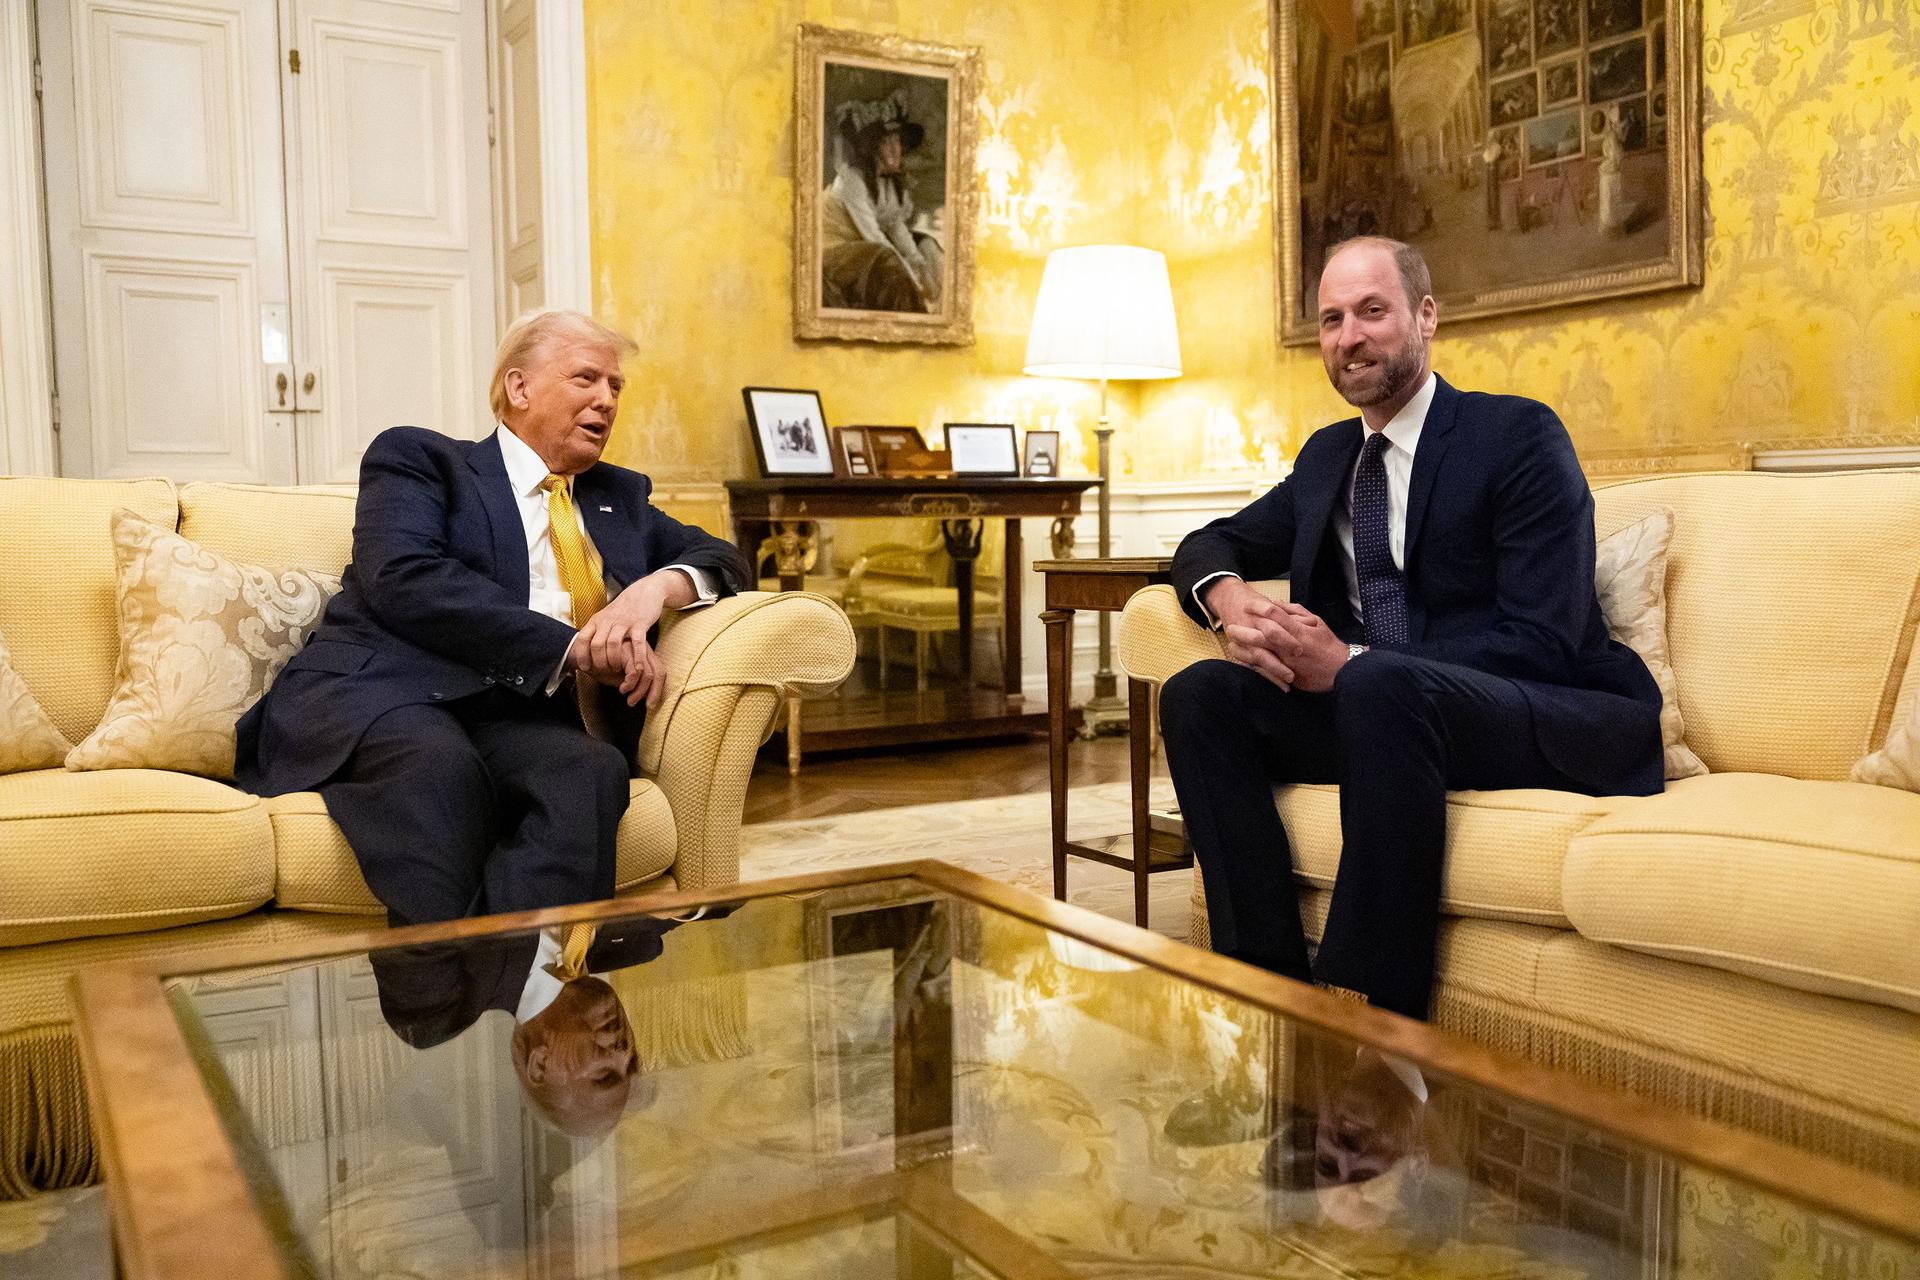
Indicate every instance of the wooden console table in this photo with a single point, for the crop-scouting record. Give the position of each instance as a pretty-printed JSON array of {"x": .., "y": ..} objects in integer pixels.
[
  {"x": 1106, "y": 586},
  {"x": 790, "y": 507}
]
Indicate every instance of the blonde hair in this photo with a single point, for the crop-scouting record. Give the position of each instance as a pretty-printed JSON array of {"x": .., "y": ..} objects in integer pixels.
[{"x": 531, "y": 332}]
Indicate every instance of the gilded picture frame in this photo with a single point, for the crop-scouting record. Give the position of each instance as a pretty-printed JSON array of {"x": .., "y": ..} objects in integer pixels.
[
  {"x": 1540, "y": 153},
  {"x": 883, "y": 187}
]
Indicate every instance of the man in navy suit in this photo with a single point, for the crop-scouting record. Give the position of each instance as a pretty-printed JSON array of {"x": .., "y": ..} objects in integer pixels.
[
  {"x": 435, "y": 709},
  {"x": 1443, "y": 633}
]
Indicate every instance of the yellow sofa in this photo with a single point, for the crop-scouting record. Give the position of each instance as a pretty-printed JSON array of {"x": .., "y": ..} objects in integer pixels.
[
  {"x": 1743, "y": 945},
  {"x": 130, "y": 864}
]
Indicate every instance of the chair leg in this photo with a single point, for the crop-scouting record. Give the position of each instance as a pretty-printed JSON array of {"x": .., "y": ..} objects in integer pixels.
[
  {"x": 793, "y": 737},
  {"x": 920, "y": 643},
  {"x": 880, "y": 652}
]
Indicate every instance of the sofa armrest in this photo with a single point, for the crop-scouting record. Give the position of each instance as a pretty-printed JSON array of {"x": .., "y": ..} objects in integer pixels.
[
  {"x": 730, "y": 668},
  {"x": 1157, "y": 638}
]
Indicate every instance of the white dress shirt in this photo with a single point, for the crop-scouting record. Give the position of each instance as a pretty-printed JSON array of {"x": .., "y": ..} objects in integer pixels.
[
  {"x": 526, "y": 473},
  {"x": 1403, "y": 437}
]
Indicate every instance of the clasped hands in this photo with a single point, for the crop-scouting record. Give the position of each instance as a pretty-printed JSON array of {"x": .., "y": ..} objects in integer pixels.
[
  {"x": 1287, "y": 643},
  {"x": 612, "y": 648}
]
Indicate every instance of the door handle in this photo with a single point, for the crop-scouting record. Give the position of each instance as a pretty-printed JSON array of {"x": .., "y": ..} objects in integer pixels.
[
  {"x": 306, "y": 384},
  {"x": 280, "y": 385}
]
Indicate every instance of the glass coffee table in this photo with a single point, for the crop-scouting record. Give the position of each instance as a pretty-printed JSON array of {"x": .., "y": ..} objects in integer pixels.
[{"x": 897, "y": 1071}]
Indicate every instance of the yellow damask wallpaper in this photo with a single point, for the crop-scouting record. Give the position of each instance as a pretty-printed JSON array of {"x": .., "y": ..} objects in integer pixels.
[
  {"x": 1147, "y": 122},
  {"x": 690, "y": 106},
  {"x": 1807, "y": 331}
]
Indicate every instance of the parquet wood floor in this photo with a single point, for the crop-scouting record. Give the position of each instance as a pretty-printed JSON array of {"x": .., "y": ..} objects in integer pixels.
[{"x": 850, "y": 782}]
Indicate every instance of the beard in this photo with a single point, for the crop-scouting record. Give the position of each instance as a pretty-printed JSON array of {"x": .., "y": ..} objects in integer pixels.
[{"x": 1390, "y": 375}]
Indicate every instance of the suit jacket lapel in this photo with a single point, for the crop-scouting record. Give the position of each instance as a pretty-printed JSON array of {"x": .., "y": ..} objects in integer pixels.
[
  {"x": 503, "y": 513},
  {"x": 1318, "y": 494},
  {"x": 599, "y": 508},
  {"x": 1434, "y": 441}
]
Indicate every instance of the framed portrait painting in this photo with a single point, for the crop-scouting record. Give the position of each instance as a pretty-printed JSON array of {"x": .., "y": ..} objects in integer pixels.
[
  {"x": 1537, "y": 152},
  {"x": 883, "y": 188}
]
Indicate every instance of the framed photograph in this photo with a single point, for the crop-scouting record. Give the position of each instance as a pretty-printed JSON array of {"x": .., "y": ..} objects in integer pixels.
[
  {"x": 983, "y": 448},
  {"x": 789, "y": 431},
  {"x": 1540, "y": 207},
  {"x": 883, "y": 178},
  {"x": 850, "y": 450},
  {"x": 882, "y": 441},
  {"x": 1040, "y": 453}
]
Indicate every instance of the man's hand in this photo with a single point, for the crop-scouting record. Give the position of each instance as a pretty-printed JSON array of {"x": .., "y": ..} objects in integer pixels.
[
  {"x": 1286, "y": 643},
  {"x": 612, "y": 648},
  {"x": 1309, "y": 647}
]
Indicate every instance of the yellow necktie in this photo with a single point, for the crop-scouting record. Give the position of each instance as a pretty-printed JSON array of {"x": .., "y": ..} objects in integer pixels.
[
  {"x": 580, "y": 579},
  {"x": 572, "y": 963}
]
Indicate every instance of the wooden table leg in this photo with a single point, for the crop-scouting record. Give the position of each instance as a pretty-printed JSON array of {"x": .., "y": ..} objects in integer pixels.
[
  {"x": 963, "y": 539},
  {"x": 793, "y": 737},
  {"x": 1140, "y": 774},
  {"x": 1059, "y": 696},
  {"x": 1010, "y": 620}
]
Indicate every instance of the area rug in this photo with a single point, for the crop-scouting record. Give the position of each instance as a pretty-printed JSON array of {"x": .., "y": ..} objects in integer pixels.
[{"x": 1006, "y": 838}]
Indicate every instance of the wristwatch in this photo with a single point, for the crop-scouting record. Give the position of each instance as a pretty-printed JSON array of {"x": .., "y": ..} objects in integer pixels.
[{"x": 1354, "y": 651}]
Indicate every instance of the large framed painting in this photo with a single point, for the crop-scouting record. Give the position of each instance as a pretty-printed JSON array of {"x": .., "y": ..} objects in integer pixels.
[
  {"x": 883, "y": 188},
  {"x": 1538, "y": 152}
]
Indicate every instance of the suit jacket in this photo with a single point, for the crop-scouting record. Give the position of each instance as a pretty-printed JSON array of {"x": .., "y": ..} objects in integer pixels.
[
  {"x": 434, "y": 605},
  {"x": 1499, "y": 560},
  {"x": 430, "y": 994}
]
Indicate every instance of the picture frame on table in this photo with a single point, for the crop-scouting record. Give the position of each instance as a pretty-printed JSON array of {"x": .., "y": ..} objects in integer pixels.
[
  {"x": 886, "y": 446},
  {"x": 882, "y": 195},
  {"x": 850, "y": 452},
  {"x": 983, "y": 448},
  {"x": 1040, "y": 454},
  {"x": 789, "y": 429}
]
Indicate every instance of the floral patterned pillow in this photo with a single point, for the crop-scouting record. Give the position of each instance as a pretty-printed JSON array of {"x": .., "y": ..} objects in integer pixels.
[
  {"x": 28, "y": 740},
  {"x": 201, "y": 638},
  {"x": 1630, "y": 577}
]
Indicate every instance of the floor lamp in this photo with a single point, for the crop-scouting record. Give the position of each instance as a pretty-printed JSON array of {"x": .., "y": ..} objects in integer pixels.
[{"x": 1105, "y": 313}]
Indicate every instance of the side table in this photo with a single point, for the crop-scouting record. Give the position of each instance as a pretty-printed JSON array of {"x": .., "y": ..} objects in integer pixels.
[{"x": 1106, "y": 586}]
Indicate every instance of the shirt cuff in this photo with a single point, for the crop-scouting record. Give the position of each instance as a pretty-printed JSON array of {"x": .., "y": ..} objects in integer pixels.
[
  {"x": 702, "y": 587},
  {"x": 1199, "y": 590},
  {"x": 559, "y": 671}
]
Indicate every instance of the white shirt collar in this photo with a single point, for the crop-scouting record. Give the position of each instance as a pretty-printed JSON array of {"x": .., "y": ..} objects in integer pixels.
[
  {"x": 525, "y": 471},
  {"x": 1403, "y": 430}
]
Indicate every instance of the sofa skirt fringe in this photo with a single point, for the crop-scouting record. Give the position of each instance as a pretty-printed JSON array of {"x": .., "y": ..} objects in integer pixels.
[{"x": 46, "y": 1137}]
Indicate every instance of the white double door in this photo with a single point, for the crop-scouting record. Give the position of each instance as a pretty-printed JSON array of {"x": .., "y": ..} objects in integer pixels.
[{"x": 270, "y": 231}]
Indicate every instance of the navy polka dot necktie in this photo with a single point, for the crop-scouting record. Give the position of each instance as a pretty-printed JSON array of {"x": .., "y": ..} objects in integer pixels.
[{"x": 1383, "y": 593}]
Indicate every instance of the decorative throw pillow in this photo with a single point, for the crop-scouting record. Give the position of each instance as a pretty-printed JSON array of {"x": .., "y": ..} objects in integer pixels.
[
  {"x": 201, "y": 638},
  {"x": 1630, "y": 577},
  {"x": 28, "y": 739},
  {"x": 1897, "y": 764}
]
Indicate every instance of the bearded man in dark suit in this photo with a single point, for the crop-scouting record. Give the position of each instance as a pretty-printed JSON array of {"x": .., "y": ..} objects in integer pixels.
[
  {"x": 469, "y": 703},
  {"x": 1443, "y": 633}
]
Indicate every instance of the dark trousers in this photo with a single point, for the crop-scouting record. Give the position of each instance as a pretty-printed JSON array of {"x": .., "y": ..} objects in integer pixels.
[
  {"x": 484, "y": 804},
  {"x": 1396, "y": 733}
]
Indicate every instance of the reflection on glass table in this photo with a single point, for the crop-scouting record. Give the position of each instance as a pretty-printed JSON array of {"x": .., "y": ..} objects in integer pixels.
[{"x": 930, "y": 1076}]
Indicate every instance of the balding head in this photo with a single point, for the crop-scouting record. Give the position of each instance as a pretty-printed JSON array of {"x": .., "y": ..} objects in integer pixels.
[{"x": 1407, "y": 263}]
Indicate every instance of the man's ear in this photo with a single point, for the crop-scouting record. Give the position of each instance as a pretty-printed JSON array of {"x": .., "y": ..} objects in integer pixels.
[
  {"x": 1429, "y": 318},
  {"x": 536, "y": 1068},
  {"x": 515, "y": 385}
]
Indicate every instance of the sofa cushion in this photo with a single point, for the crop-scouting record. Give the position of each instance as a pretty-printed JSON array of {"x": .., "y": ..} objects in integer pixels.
[
  {"x": 1504, "y": 848},
  {"x": 201, "y": 638},
  {"x": 1814, "y": 885},
  {"x": 308, "y": 527},
  {"x": 28, "y": 740},
  {"x": 1754, "y": 558},
  {"x": 317, "y": 870},
  {"x": 126, "y": 851},
  {"x": 57, "y": 601},
  {"x": 1630, "y": 577}
]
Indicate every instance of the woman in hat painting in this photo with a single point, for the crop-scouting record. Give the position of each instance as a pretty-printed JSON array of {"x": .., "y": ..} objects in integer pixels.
[{"x": 872, "y": 256}]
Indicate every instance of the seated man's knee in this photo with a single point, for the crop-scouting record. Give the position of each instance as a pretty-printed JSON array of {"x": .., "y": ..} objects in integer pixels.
[
  {"x": 1377, "y": 681},
  {"x": 608, "y": 766},
  {"x": 1195, "y": 697}
]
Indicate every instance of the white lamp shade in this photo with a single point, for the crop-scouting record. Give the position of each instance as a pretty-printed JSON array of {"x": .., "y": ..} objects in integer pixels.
[{"x": 1105, "y": 311}]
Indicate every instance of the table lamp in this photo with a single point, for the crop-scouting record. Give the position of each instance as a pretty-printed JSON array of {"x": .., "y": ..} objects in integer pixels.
[{"x": 1105, "y": 312}]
